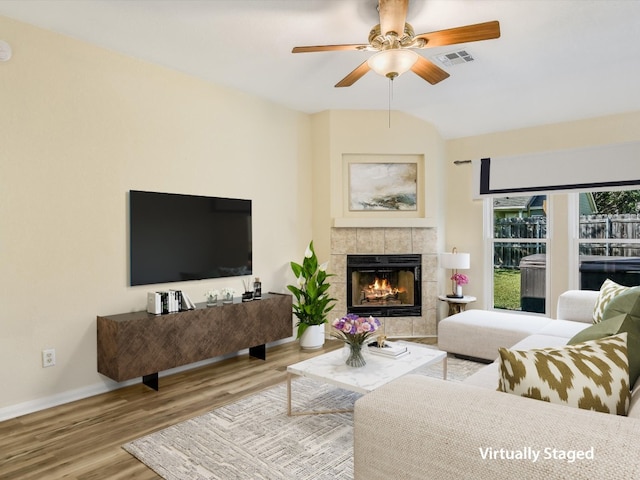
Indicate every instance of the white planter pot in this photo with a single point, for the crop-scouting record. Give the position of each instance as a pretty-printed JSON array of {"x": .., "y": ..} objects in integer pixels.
[{"x": 312, "y": 338}]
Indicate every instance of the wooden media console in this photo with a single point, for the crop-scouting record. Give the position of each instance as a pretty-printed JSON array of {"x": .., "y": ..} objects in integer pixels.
[{"x": 140, "y": 344}]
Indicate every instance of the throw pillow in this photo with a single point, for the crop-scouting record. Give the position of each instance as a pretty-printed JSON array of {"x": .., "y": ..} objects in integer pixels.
[
  {"x": 592, "y": 375},
  {"x": 608, "y": 291},
  {"x": 627, "y": 302},
  {"x": 612, "y": 326}
]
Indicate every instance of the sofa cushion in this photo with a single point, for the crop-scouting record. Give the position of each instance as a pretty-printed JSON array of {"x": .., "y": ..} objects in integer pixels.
[
  {"x": 626, "y": 302},
  {"x": 613, "y": 326},
  {"x": 608, "y": 291},
  {"x": 577, "y": 305},
  {"x": 563, "y": 328},
  {"x": 479, "y": 333},
  {"x": 592, "y": 375}
]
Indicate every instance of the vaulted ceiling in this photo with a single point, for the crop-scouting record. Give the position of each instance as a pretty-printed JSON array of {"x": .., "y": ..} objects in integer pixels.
[{"x": 556, "y": 60}]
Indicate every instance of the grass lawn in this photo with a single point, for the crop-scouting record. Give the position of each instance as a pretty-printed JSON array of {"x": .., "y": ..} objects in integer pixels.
[{"x": 506, "y": 289}]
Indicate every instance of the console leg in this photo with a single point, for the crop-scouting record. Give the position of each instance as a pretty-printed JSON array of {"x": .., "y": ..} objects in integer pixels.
[
  {"x": 259, "y": 351},
  {"x": 151, "y": 381}
]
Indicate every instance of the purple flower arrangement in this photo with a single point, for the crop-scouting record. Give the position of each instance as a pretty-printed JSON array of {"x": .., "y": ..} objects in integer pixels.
[{"x": 353, "y": 329}]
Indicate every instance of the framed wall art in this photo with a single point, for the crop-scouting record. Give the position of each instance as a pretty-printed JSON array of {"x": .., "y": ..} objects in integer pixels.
[{"x": 383, "y": 186}]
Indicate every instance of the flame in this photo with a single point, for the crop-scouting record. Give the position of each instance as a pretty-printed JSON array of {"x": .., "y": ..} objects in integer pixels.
[{"x": 381, "y": 288}]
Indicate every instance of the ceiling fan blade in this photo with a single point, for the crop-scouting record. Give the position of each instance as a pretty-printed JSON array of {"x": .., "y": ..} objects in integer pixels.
[
  {"x": 393, "y": 14},
  {"x": 355, "y": 75},
  {"x": 468, "y": 33},
  {"x": 429, "y": 71},
  {"x": 328, "y": 48}
]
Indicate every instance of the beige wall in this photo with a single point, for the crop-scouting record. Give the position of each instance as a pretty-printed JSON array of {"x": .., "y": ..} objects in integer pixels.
[
  {"x": 79, "y": 128},
  {"x": 337, "y": 133},
  {"x": 464, "y": 215}
]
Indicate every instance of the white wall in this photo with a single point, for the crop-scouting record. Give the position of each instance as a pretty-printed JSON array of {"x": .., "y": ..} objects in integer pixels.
[{"x": 79, "y": 128}]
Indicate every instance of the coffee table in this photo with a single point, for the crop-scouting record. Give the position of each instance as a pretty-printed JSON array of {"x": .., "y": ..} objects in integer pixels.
[{"x": 331, "y": 368}]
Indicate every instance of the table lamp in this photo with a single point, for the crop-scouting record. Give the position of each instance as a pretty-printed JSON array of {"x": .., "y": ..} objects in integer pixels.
[{"x": 455, "y": 261}]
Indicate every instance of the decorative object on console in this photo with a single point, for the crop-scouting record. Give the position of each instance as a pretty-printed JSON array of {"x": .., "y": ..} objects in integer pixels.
[
  {"x": 168, "y": 302},
  {"x": 154, "y": 304},
  {"x": 247, "y": 296},
  {"x": 354, "y": 331},
  {"x": 227, "y": 295},
  {"x": 212, "y": 298},
  {"x": 257, "y": 289},
  {"x": 456, "y": 261},
  {"x": 312, "y": 300}
]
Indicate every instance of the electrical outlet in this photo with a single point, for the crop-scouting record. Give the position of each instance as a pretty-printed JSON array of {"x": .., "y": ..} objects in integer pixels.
[{"x": 48, "y": 357}]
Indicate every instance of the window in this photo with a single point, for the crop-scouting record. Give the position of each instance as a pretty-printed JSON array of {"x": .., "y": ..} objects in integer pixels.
[
  {"x": 608, "y": 238},
  {"x": 518, "y": 242}
]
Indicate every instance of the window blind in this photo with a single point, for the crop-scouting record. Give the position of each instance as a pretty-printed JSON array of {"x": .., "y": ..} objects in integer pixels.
[{"x": 608, "y": 167}]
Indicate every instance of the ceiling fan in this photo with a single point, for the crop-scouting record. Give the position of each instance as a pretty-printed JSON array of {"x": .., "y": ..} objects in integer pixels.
[{"x": 394, "y": 40}]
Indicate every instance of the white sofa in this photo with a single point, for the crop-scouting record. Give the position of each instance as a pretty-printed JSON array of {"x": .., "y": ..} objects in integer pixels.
[
  {"x": 479, "y": 333},
  {"x": 419, "y": 427}
]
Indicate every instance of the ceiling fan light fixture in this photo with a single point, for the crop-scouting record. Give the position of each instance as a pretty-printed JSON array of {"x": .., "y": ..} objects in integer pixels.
[{"x": 392, "y": 63}]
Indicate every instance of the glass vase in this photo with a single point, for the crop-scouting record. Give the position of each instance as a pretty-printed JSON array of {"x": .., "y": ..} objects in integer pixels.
[
  {"x": 212, "y": 301},
  {"x": 355, "y": 357}
]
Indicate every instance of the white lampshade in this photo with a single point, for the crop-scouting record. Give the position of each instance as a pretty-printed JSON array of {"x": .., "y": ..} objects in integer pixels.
[
  {"x": 392, "y": 63},
  {"x": 455, "y": 261}
]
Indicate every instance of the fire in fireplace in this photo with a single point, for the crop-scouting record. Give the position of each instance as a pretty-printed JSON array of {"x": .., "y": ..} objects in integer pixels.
[{"x": 384, "y": 285}]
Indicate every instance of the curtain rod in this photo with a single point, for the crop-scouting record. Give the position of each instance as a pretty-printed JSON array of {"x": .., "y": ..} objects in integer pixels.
[{"x": 461, "y": 162}]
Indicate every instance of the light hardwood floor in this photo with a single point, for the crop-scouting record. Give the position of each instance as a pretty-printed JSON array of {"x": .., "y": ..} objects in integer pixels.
[{"x": 82, "y": 440}]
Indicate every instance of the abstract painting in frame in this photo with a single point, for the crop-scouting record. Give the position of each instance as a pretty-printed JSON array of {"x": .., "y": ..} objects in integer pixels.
[{"x": 383, "y": 186}]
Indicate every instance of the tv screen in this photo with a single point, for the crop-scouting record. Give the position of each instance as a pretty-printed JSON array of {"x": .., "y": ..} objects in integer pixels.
[{"x": 175, "y": 238}]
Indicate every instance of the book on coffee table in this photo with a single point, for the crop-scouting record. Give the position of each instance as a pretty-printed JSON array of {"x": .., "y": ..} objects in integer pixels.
[{"x": 388, "y": 349}]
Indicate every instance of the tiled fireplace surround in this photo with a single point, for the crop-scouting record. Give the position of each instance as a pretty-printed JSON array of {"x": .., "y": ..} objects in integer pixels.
[{"x": 383, "y": 241}]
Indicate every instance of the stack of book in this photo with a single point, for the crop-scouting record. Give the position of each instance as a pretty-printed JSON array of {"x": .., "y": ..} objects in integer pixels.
[
  {"x": 388, "y": 349},
  {"x": 168, "y": 302}
]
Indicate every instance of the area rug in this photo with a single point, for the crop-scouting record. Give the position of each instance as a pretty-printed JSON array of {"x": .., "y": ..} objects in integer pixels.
[{"x": 254, "y": 438}]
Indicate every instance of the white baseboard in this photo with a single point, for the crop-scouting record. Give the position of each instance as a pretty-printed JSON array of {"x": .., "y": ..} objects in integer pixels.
[{"x": 32, "y": 406}]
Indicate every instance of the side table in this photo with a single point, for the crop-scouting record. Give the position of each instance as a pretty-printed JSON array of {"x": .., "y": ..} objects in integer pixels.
[{"x": 457, "y": 305}]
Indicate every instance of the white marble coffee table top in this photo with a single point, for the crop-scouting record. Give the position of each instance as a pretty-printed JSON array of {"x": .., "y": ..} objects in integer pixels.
[{"x": 331, "y": 368}]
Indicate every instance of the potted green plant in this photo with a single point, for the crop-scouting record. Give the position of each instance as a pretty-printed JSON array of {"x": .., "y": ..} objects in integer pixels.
[{"x": 312, "y": 301}]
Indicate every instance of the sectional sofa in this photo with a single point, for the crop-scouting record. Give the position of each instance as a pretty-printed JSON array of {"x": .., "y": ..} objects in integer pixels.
[{"x": 419, "y": 427}]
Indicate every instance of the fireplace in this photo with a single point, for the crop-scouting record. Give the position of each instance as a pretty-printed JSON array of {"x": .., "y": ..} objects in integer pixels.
[{"x": 384, "y": 285}]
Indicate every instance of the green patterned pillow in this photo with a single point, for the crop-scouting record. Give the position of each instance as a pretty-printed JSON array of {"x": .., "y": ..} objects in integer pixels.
[
  {"x": 592, "y": 375},
  {"x": 613, "y": 326},
  {"x": 628, "y": 302},
  {"x": 608, "y": 291}
]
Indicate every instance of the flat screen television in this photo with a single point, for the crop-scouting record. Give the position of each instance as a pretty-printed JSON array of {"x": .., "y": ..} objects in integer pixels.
[{"x": 175, "y": 238}]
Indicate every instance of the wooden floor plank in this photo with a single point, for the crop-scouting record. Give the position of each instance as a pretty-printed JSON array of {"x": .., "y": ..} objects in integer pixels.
[{"x": 82, "y": 440}]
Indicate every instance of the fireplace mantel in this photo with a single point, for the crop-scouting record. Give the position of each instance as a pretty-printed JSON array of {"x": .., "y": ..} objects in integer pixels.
[{"x": 383, "y": 222}]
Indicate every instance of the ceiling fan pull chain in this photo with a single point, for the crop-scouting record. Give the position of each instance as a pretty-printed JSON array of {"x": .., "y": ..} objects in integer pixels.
[{"x": 390, "y": 98}]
